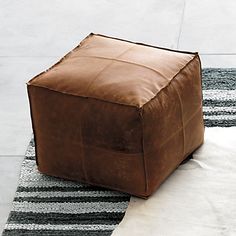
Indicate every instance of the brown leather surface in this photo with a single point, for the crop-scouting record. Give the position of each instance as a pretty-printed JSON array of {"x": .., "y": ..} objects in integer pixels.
[
  {"x": 176, "y": 128},
  {"x": 117, "y": 114},
  {"x": 113, "y": 70}
]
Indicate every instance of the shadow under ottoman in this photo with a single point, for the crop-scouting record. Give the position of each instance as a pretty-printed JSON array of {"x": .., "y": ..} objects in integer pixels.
[{"x": 117, "y": 114}]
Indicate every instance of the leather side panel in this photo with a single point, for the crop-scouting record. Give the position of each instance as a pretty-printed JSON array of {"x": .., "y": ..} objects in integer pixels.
[
  {"x": 173, "y": 124},
  {"x": 88, "y": 140}
]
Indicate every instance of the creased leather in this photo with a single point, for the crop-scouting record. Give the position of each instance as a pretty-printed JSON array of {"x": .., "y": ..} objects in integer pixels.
[{"x": 117, "y": 114}]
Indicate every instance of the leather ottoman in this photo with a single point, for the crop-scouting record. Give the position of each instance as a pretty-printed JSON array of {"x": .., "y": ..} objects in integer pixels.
[{"x": 117, "y": 114}]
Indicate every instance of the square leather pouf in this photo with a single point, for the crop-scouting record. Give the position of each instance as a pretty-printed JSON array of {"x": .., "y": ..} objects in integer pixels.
[{"x": 117, "y": 114}]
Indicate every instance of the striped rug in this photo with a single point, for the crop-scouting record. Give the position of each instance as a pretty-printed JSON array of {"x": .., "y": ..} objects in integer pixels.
[
  {"x": 45, "y": 205},
  {"x": 219, "y": 94}
]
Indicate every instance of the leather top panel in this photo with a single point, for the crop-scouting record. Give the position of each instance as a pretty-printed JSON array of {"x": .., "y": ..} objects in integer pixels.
[{"x": 114, "y": 70}]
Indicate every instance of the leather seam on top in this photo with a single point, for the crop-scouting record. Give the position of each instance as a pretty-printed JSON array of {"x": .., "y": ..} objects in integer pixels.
[
  {"x": 143, "y": 44},
  {"x": 61, "y": 59},
  {"x": 128, "y": 62},
  {"x": 104, "y": 69},
  {"x": 82, "y": 42},
  {"x": 168, "y": 84}
]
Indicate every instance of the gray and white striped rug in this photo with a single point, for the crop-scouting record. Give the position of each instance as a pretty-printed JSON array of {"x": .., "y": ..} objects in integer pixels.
[
  {"x": 219, "y": 94},
  {"x": 45, "y": 205}
]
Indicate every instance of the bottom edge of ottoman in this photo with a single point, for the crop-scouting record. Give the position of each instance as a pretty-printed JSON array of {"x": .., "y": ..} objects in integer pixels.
[{"x": 140, "y": 195}]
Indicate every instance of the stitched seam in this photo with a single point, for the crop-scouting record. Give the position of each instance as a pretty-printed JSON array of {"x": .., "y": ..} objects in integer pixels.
[
  {"x": 176, "y": 132},
  {"x": 168, "y": 84},
  {"x": 105, "y": 68},
  {"x": 128, "y": 62},
  {"x": 102, "y": 148},
  {"x": 183, "y": 125},
  {"x": 81, "y": 96},
  {"x": 65, "y": 94},
  {"x": 144, "y": 162},
  {"x": 60, "y": 60},
  {"x": 85, "y": 39},
  {"x": 145, "y": 45}
]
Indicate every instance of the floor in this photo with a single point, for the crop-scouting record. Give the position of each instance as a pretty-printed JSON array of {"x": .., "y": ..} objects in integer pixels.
[{"x": 33, "y": 35}]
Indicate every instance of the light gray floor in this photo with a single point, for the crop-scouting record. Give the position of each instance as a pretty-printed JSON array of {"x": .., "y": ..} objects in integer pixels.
[{"x": 35, "y": 33}]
